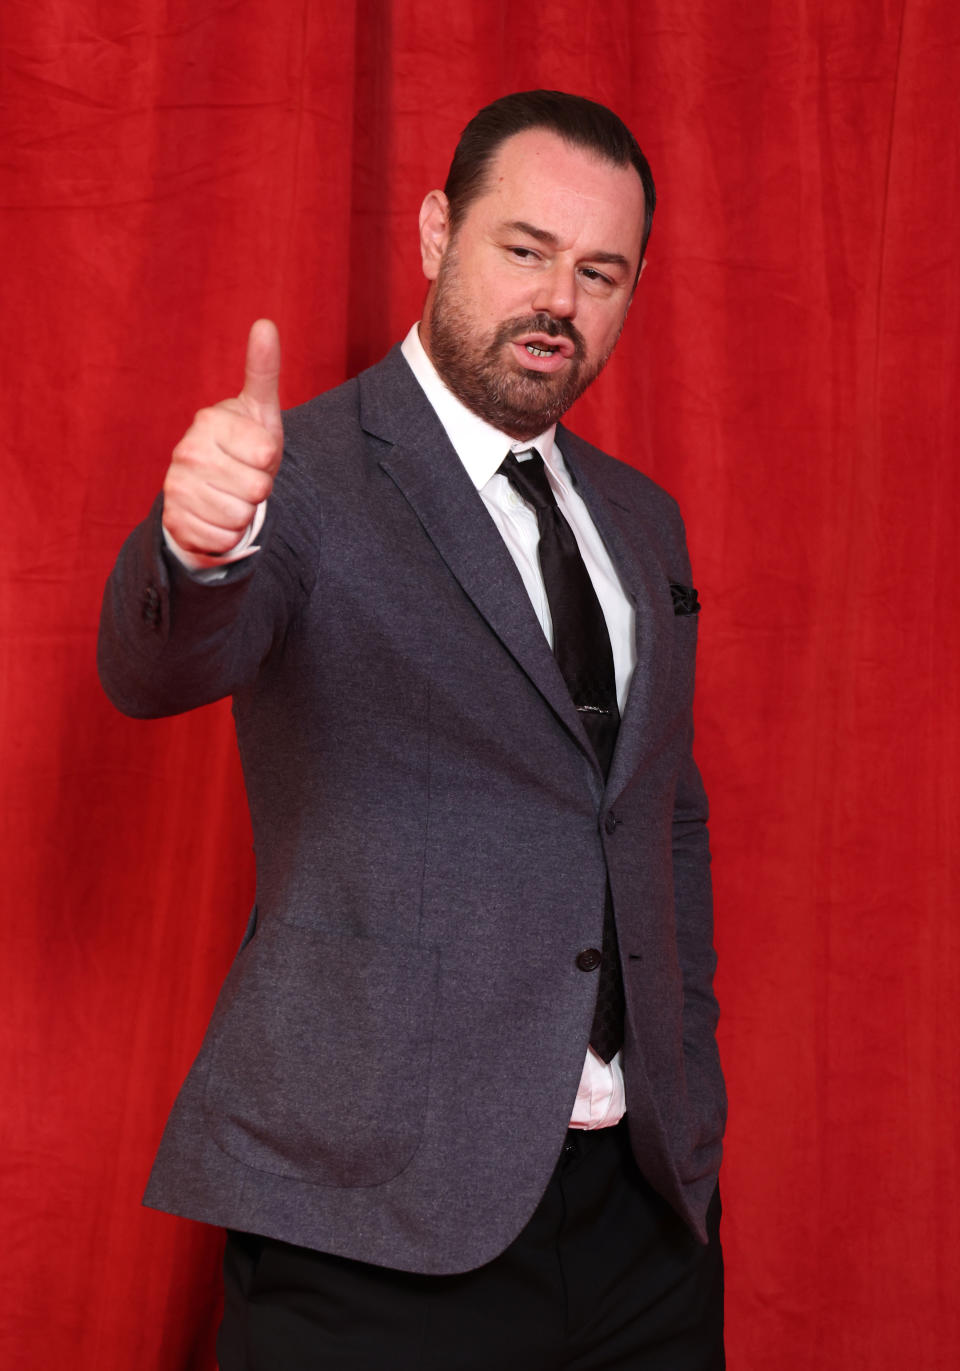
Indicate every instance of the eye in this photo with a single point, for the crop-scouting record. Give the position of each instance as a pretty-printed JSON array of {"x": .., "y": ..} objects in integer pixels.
[
  {"x": 522, "y": 254},
  {"x": 591, "y": 274}
]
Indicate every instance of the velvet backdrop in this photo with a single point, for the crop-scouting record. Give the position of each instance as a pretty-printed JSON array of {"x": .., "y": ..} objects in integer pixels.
[{"x": 170, "y": 169}]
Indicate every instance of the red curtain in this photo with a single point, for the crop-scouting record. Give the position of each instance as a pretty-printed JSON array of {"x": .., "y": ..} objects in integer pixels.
[{"x": 169, "y": 170}]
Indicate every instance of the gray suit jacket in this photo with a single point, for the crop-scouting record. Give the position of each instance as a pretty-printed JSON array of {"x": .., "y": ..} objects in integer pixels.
[{"x": 395, "y": 1053}]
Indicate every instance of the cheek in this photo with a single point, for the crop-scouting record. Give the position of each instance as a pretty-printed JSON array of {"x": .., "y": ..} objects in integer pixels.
[
  {"x": 602, "y": 333},
  {"x": 493, "y": 298}
]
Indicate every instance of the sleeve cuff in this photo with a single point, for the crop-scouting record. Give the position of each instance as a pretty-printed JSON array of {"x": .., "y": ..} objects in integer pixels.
[{"x": 206, "y": 567}]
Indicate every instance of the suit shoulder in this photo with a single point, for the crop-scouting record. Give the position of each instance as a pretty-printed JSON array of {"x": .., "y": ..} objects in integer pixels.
[
  {"x": 618, "y": 480},
  {"x": 325, "y": 419},
  {"x": 375, "y": 404}
]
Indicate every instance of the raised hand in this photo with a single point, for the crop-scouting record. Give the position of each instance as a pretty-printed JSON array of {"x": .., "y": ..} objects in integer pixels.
[{"x": 225, "y": 463}]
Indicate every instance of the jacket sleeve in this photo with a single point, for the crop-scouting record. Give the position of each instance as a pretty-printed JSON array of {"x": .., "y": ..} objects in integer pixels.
[{"x": 170, "y": 641}]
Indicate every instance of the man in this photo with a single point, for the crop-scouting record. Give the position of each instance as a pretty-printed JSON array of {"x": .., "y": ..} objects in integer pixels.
[{"x": 460, "y": 1103}]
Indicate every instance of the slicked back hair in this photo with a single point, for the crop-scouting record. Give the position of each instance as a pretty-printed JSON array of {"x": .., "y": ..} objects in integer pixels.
[{"x": 582, "y": 123}]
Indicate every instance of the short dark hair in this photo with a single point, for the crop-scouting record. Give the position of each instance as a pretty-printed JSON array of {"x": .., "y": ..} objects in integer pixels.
[{"x": 579, "y": 121}]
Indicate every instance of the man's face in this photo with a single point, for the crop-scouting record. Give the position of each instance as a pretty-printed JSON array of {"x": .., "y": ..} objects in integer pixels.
[{"x": 529, "y": 296}]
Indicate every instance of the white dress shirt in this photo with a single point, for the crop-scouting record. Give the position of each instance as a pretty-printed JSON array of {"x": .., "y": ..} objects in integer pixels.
[{"x": 481, "y": 448}]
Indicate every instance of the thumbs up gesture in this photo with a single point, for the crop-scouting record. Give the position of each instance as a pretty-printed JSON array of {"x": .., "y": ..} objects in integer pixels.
[{"x": 224, "y": 464}]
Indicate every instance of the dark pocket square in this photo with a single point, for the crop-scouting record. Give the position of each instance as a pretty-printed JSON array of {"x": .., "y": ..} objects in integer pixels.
[{"x": 684, "y": 599}]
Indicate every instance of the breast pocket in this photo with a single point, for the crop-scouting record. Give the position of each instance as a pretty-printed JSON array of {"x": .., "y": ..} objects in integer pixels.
[{"x": 320, "y": 1054}]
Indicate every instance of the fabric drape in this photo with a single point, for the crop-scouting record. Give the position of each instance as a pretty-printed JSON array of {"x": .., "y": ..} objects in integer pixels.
[{"x": 169, "y": 171}]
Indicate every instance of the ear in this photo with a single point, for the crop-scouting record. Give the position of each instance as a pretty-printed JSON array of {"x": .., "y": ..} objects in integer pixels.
[
  {"x": 434, "y": 232},
  {"x": 643, "y": 267}
]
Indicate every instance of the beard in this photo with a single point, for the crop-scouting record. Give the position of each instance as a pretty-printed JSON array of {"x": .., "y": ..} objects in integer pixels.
[{"x": 484, "y": 377}]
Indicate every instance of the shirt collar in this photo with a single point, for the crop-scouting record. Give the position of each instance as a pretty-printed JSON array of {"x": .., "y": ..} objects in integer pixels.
[{"x": 480, "y": 447}]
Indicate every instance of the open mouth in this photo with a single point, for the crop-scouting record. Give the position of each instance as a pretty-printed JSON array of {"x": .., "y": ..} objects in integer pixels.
[
  {"x": 540, "y": 352},
  {"x": 543, "y": 345}
]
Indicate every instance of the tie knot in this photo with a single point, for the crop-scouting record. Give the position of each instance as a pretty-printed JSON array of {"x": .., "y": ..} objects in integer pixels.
[{"x": 529, "y": 479}]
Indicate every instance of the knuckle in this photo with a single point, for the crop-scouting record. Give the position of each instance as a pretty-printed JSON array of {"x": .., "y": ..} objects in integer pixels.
[
  {"x": 264, "y": 452},
  {"x": 260, "y": 487},
  {"x": 236, "y": 522},
  {"x": 171, "y": 488},
  {"x": 188, "y": 451},
  {"x": 223, "y": 540},
  {"x": 174, "y": 527}
]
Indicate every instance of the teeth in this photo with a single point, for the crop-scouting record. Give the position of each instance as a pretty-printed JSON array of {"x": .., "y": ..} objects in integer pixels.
[{"x": 534, "y": 351}]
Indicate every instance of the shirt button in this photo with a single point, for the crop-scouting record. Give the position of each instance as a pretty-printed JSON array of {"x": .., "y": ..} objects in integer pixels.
[{"x": 588, "y": 959}]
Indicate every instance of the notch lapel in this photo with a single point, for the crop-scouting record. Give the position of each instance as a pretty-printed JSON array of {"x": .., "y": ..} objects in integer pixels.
[
  {"x": 424, "y": 466},
  {"x": 646, "y": 582}
]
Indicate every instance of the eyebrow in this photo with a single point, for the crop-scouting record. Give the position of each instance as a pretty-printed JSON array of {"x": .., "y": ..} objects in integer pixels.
[{"x": 613, "y": 259}]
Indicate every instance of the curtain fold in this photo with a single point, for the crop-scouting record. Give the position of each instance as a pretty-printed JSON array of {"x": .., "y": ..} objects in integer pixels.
[{"x": 170, "y": 171}]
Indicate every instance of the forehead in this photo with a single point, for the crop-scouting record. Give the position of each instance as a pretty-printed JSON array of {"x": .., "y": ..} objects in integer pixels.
[{"x": 581, "y": 198}]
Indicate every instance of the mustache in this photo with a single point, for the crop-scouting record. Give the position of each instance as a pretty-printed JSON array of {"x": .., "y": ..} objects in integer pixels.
[{"x": 542, "y": 323}]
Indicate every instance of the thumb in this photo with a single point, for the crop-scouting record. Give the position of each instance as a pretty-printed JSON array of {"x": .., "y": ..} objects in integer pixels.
[{"x": 262, "y": 375}]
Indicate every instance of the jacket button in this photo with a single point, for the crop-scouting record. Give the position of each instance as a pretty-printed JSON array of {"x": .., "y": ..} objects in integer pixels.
[
  {"x": 588, "y": 959},
  {"x": 151, "y": 605},
  {"x": 610, "y": 823}
]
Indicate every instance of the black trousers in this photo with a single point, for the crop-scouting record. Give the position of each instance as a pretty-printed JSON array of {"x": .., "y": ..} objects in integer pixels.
[{"x": 604, "y": 1277}]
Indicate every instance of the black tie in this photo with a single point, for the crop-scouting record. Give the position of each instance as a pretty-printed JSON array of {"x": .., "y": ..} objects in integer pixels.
[{"x": 581, "y": 645}]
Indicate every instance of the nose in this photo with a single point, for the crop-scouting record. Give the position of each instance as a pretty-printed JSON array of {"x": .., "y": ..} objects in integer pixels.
[{"x": 556, "y": 291}]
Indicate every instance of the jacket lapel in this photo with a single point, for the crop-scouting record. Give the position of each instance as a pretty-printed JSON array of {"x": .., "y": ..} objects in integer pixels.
[
  {"x": 422, "y": 463},
  {"x": 645, "y": 581}
]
